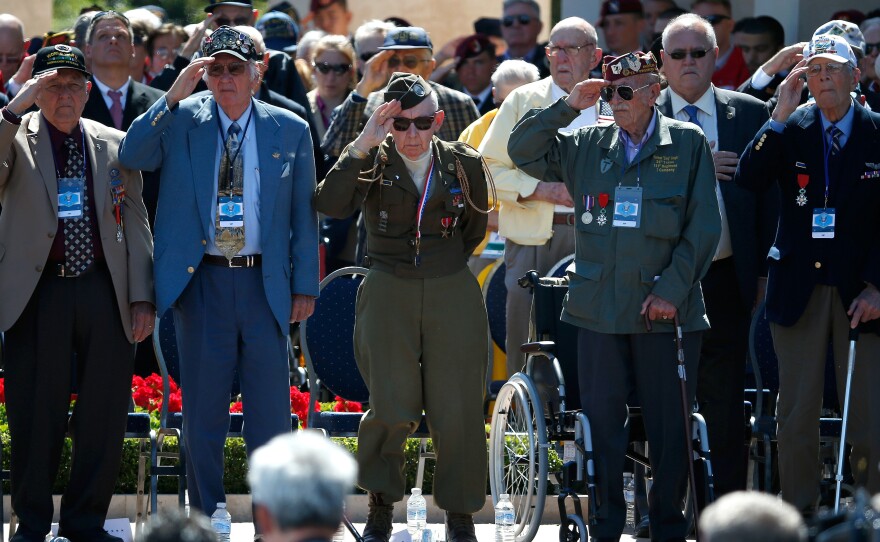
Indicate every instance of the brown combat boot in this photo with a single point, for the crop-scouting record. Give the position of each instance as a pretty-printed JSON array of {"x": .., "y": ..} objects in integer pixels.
[
  {"x": 460, "y": 528},
  {"x": 378, "y": 528}
]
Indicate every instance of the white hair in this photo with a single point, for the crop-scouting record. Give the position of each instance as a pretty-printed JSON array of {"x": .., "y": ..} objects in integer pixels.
[
  {"x": 306, "y": 42},
  {"x": 144, "y": 15},
  {"x": 515, "y": 71},
  {"x": 752, "y": 516},
  {"x": 302, "y": 479},
  {"x": 370, "y": 29},
  {"x": 690, "y": 21}
]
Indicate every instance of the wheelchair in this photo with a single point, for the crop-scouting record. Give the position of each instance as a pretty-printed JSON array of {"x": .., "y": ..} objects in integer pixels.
[{"x": 537, "y": 412}]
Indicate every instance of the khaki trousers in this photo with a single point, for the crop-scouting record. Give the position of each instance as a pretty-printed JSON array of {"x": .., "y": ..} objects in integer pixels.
[
  {"x": 422, "y": 344},
  {"x": 802, "y": 351}
]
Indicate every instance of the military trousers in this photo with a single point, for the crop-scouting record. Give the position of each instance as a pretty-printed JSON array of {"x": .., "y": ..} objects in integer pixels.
[{"x": 422, "y": 345}]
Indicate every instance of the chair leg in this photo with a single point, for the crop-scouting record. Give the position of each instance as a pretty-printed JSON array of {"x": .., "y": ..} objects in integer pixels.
[
  {"x": 423, "y": 455},
  {"x": 141, "y": 484}
]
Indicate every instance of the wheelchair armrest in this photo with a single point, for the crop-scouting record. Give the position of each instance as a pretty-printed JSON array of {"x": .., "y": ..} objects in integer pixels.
[{"x": 540, "y": 346}]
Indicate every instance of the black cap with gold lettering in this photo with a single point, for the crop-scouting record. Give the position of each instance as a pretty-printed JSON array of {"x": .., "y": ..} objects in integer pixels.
[{"x": 57, "y": 57}]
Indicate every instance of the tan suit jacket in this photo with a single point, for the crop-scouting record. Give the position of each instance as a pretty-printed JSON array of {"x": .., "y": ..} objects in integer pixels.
[{"x": 28, "y": 194}]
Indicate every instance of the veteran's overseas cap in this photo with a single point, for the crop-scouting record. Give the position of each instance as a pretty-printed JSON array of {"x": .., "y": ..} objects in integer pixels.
[
  {"x": 230, "y": 41},
  {"x": 57, "y": 57},
  {"x": 407, "y": 37},
  {"x": 614, "y": 68},
  {"x": 407, "y": 88},
  {"x": 847, "y": 30},
  {"x": 829, "y": 46}
]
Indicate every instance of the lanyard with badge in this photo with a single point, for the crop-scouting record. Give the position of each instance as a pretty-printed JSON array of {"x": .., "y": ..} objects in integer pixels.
[
  {"x": 628, "y": 199},
  {"x": 823, "y": 218},
  {"x": 71, "y": 190},
  {"x": 230, "y": 206},
  {"x": 417, "y": 261}
]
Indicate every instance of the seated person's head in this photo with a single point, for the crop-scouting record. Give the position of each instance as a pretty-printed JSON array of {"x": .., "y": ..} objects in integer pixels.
[
  {"x": 752, "y": 517},
  {"x": 172, "y": 525}
]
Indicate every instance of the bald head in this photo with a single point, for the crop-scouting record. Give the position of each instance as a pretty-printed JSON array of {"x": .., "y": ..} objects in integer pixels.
[
  {"x": 575, "y": 26},
  {"x": 11, "y": 44},
  {"x": 572, "y": 52}
]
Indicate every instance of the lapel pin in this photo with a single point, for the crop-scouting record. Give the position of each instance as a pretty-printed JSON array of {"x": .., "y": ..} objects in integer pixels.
[
  {"x": 450, "y": 166},
  {"x": 276, "y": 155},
  {"x": 97, "y": 146},
  {"x": 730, "y": 113}
]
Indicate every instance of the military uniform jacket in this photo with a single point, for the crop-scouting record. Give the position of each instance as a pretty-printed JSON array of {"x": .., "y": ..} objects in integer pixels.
[
  {"x": 390, "y": 208},
  {"x": 616, "y": 268},
  {"x": 797, "y": 262}
]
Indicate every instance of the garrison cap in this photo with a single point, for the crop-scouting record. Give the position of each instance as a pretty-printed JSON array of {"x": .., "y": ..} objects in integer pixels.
[{"x": 407, "y": 88}]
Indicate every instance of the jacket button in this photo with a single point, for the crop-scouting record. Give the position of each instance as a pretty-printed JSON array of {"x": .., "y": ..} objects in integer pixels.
[
  {"x": 190, "y": 269},
  {"x": 412, "y": 242},
  {"x": 39, "y": 268},
  {"x": 818, "y": 265},
  {"x": 51, "y": 234},
  {"x": 204, "y": 242}
]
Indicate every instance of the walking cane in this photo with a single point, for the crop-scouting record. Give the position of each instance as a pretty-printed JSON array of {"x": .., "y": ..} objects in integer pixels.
[
  {"x": 851, "y": 361},
  {"x": 686, "y": 417}
]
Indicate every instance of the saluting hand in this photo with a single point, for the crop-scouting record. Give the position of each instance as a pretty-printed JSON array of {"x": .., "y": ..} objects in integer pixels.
[
  {"x": 187, "y": 80},
  {"x": 30, "y": 91},
  {"x": 376, "y": 73},
  {"x": 790, "y": 92},
  {"x": 378, "y": 127},
  {"x": 784, "y": 58},
  {"x": 586, "y": 93}
]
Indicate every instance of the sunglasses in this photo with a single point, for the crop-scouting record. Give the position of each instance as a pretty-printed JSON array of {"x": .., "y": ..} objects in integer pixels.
[
  {"x": 238, "y": 21},
  {"x": 522, "y": 19},
  {"x": 326, "y": 67},
  {"x": 410, "y": 62},
  {"x": 681, "y": 55},
  {"x": 871, "y": 47},
  {"x": 715, "y": 19},
  {"x": 234, "y": 69},
  {"x": 625, "y": 92},
  {"x": 401, "y": 124}
]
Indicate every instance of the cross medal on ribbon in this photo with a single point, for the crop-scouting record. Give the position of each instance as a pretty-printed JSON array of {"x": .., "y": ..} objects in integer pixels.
[
  {"x": 117, "y": 191},
  {"x": 603, "y": 202}
]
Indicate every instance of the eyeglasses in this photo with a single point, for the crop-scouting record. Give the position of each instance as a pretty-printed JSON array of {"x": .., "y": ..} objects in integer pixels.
[
  {"x": 238, "y": 21},
  {"x": 522, "y": 19},
  {"x": 871, "y": 47},
  {"x": 234, "y": 68},
  {"x": 166, "y": 51},
  {"x": 11, "y": 59},
  {"x": 367, "y": 56},
  {"x": 69, "y": 88},
  {"x": 570, "y": 50},
  {"x": 626, "y": 93},
  {"x": 832, "y": 68},
  {"x": 715, "y": 19},
  {"x": 401, "y": 124},
  {"x": 326, "y": 67},
  {"x": 681, "y": 55},
  {"x": 410, "y": 62}
]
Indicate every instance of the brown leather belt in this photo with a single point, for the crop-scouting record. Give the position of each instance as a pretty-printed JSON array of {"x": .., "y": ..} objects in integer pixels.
[
  {"x": 563, "y": 218},
  {"x": 236, "y": 261}
]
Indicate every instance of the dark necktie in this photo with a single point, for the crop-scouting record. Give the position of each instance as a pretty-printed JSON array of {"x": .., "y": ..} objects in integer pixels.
[
  {"x": 116, "y": 108},
  {"x": 78, "y": 251},
  {"x": 691, "y": 111},
  {"x": 834, "y": 133},
  {"x": 230, "y": 241}
]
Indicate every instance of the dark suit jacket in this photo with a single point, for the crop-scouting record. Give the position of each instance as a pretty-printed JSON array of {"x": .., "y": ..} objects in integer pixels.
[
  {"x": 751, "y": 217},
  {"x": 797, "y": 261}
]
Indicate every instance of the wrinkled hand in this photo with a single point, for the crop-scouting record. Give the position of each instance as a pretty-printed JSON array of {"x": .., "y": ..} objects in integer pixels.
[
  {"x": 586, "y": 93},
  {"x": 377, "y": 128},
  {"x": 725, "y": 164},
  {"x": 143, "y": 318},
  {"x": 187, "y": 80},
  {"x": 302, "y": 307},
  {"x": 25, "y": 69},
  {"x": 376, "y": 73},
  {"x": 865, "y": 307},
  {"x": 785, "y": 57},
  {"x": 658, "y": 308},
  {"x": 30, "y": 91},
  {"x": 790, "y": 92},
  {"x": 555, "y": 193}
]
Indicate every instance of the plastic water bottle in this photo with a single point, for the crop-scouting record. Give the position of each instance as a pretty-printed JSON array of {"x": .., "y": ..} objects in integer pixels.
[
  {"x": 221, "y": 522},
  {"x": 416, "y": 513},
  {"x": 505, "y": 518},
  {"x": 629, "y": 495}
]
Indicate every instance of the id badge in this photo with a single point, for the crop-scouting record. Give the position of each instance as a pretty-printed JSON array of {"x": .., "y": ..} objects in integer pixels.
[
  {"x": 230, "y": 209},
  {"x": 823, "y": 223},
  {"x": 70, "y": 197},
  {"x": 627, "y": 207}
]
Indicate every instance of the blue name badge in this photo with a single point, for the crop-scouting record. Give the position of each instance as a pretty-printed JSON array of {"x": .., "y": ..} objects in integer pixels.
[
  {"x": 823, "y": 223},
  {"x": 230, "y": 209},
  {"x": 70, "y": 197},
  {"x": 627, "y": 207}
]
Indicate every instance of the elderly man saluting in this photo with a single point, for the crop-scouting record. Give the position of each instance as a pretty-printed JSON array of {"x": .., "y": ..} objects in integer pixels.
[
  {"x": 237, "y": 246},
  {"x": 647, "y": 227}
]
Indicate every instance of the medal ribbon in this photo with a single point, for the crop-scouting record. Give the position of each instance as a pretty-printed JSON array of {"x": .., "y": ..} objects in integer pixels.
[
  {"x": 422, "y": 204},
  {"x": 603, "y": 199}
]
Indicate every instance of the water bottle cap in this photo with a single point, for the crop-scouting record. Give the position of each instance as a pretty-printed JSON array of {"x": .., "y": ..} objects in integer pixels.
[
  {"x": 416, "y": 491},
  {"x": 505, "y": 496}
]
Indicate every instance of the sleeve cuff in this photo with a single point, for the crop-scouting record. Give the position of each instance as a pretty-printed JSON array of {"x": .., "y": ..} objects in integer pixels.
[
  {"x": 11, "y": 117},
  {"x": 760, "y": 79},
  {"x": 357, "y": 98},
  {"x": 777, "y": 126}
]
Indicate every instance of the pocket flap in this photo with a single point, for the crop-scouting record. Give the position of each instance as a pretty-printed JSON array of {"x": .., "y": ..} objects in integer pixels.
[{"x": 588, "y": 270}]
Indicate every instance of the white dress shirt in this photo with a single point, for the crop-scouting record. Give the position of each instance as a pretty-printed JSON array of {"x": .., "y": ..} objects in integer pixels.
[{"x": 105, "y": 90}]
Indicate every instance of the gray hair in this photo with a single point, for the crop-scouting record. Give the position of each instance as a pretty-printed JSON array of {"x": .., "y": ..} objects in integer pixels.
[
  {"x": 369, "y": 29},
  {"x": 531, "y": 3},
  {"x": 752, "y": 516},
  {"x": 81, "y": 26},
  {"x": 690, "y": 21},
  {"x": 515, "y": 71},
  {"x": 869, "y": 23},
  {"x": 172, "y": 525},
  {"x": 302, "y": 479},
  {"x": 579, "y": 24}
]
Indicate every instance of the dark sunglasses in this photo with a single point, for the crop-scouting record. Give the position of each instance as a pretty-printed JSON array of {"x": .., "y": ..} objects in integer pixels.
[
  {"x": 680, "y": 55},
  {"x": 871, "y": 47},
  {"x": 238, "y": 21},
  {"x": 367, "y": 56},
  {"x": 401, "y": 124},
  {"x": 625, "y": 92},
  {"x": 522, "y": 19},
  {"x": 410, "y": 62},
  {"x": 234, "y": 68},
  {"x": 715, "y": 19},
  {"x": 326, "y": 67}
]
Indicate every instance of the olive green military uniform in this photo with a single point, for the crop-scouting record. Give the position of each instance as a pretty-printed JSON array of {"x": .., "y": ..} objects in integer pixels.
[
  {"x": 421, "y": 329},
  {"x": 615, "y": 269}
]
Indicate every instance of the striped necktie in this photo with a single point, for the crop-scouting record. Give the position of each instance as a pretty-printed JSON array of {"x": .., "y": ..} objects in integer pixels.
[{"x": 834, "y": 134}]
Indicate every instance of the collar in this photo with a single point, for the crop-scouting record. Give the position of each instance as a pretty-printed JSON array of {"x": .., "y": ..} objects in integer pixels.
[
  {"x": 105, "y": 89},
  {"x": 225, "y": 121},
  {"x": 482, "y": 96},
  {"x": 844, "y": 125},
  {"x": 57, "y": 137},
  {"x": 706, "y": 102},
  {"x": 648, "y": 133}
]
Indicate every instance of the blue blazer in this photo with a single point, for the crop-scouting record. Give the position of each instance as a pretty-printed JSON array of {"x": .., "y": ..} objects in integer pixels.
[
  {"x": 797, "y": 262},
  {"x": 183, "y": 142}
]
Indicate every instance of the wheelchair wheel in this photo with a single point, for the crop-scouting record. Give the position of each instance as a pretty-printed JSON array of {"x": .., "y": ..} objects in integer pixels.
[
  {"x": 573, "y": 529},
  {"x": 518, "y": 453}
]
